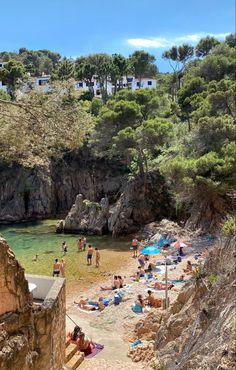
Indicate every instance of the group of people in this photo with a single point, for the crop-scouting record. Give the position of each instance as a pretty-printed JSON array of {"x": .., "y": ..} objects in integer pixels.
[
  {"x": 150, "y": 301},
  {"x": 83, "y": 344},
  {"x": 118, "y": 283}
]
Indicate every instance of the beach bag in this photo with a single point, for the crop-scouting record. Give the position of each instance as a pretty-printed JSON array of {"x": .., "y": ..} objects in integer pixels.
[{"x": 117, "y": 299}]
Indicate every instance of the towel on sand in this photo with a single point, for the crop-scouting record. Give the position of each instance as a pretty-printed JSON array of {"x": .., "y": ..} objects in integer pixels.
[{"x": 98, "y": 348}]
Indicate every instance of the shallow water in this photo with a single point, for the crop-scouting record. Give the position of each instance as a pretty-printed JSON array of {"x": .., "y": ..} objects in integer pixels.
[{"x": 29, "y": 239}]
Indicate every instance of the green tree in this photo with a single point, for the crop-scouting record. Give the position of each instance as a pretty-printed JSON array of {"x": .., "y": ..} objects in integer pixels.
[
  {"x": 65, "y": 70},
  {"x": 205, "y": 46},
  {"x": 13, "y": 74},
  {"x": 178, "y": 57},
  {"x": 141, "y": 64},
  {"x": 231, "y": 40}
]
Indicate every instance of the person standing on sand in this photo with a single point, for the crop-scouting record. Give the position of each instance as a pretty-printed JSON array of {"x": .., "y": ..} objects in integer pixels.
[
  {"x": 135, "y": 247},
  {"x": 97, "y": 253},
  {"x": 56, "y": 268},
  {"x": 62, "y": 267},
  {"x": 90, "y": 255}
]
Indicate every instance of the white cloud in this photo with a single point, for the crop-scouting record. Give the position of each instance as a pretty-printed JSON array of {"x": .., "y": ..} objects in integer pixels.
[
  {"x": 149, "y": 43},
  {"x": 161, "y": 42}
]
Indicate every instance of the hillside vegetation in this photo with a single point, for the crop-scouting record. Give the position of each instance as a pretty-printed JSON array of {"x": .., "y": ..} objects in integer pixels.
[{"x": 185, "y": 128}]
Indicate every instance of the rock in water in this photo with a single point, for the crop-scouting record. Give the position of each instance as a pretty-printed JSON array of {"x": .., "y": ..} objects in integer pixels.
[{"x": 87, "y": 217}]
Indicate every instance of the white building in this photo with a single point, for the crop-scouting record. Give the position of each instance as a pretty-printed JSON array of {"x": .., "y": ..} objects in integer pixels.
[
  {"x": 2, "y": 85},
  {"x": 127, "y": 82}
]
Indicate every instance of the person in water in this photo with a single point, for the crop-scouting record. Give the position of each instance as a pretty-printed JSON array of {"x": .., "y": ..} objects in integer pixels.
[
  {"x": 80, "y": 245},
  {"x": 89, "y": 255},
  {"x": 34, "y": 259},
  {"x": 64, "y": 248},
  {"x": 98, "y": 257},
  {"x": 56, "y": 268}
]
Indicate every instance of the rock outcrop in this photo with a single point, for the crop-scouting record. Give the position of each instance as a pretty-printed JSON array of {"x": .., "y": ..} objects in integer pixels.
[
  {"x": 87, "y": 217},
  {"x": 138, "y": 204},
  {"x": 199, "y": 330}
]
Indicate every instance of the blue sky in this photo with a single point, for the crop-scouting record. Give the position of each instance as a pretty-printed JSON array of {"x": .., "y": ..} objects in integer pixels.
[{"x": 75, "y": 27}]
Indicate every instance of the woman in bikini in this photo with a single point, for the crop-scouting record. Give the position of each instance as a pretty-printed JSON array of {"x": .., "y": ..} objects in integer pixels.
[{"x": 85, "y": 345}]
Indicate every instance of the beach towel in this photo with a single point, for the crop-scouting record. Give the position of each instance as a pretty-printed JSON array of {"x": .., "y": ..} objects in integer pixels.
[
  {"x": 98, "y": 348},
  {"x": 80, "y": 309}
]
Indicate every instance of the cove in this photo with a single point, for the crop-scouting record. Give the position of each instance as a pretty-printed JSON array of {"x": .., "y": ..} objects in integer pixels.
[{"x": 29, "y": 239}]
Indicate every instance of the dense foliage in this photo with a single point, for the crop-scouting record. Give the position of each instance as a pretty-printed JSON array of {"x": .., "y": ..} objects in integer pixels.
[{"x": 185, "y": 128}]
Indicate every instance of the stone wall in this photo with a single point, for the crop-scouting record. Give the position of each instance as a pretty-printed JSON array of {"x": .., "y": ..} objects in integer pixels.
[
  {"x": 32, "y": 336},
  {"x": 49, "y": 324}
]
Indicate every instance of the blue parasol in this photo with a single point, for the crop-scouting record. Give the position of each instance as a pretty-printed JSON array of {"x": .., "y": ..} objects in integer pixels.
[{"x": 150, "y": 250}]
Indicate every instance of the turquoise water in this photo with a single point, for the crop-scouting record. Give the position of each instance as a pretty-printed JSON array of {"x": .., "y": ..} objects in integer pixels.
[{"x": 28, "y": 239}]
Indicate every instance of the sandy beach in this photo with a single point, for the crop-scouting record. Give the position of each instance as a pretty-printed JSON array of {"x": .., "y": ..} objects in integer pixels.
[{"x": 110, "y": 327}]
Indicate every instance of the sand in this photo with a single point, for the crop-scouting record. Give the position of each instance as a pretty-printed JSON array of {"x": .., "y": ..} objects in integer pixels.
[{"x": 110, "y": 326}]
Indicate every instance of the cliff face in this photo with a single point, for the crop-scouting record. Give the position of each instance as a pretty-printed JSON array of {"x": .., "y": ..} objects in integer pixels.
[
  {"x": 198, "y": 332},
  {"x": 138, "y": 204},
  {"x": 27, "y": 194},
  {"x": 49, "y": 191}
]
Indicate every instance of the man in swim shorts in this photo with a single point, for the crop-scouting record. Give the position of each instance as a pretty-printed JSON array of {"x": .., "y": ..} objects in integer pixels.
[{"x": 56, "y": 268}]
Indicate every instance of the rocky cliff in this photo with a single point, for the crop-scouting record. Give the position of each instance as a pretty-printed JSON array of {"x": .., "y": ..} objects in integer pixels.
[
  {"x": 198, "y": 332},
  {"x": 29, "y": 194},
  {"x": 136, "y": 205}
]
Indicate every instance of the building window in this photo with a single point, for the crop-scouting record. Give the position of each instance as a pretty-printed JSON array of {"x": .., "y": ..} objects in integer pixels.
[
  {"x": 149, "y": 83},
  {"x": 98, "y": 92},
  {"x": 129, "y": 79},
  {"x": 138, "y": 84},
  {"x": 80, "y": 84}
]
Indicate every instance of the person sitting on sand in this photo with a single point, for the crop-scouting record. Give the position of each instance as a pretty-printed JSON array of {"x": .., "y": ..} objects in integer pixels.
[
  {"x": 116, "y": 284},
  {"x": 56, "y": 268},
  {"x": 121, "y": 280},
  {"x": 162, "y": 286},
  {"x": 152, "y": 301},
  {"x": 139, "y": 304},
  {"x": 90, "y": 305},
  {"x": 85, "y": 345},
  {"x": 141, "y": 271},
  {"x": 75, "y": 335},
  {"x": 189, "y": 268}
]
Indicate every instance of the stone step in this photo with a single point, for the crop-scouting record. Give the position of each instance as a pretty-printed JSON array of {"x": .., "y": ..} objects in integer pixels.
[
  {"x": 75, "y": 361},
  {"x": 67, "y": 342},
  {"x": 71, "y": 349}
]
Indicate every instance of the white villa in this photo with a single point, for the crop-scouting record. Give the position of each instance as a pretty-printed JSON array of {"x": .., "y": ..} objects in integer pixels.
[{"x": 127, "y": 82}]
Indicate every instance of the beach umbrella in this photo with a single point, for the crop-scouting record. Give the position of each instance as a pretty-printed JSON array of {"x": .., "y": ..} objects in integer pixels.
[
  {"x": 150, "y": 250},
  {"x": 179, "y": 244}
]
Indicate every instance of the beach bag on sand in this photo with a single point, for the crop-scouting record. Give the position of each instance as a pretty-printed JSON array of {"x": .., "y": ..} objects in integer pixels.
[{"x": 117, "y": 299}]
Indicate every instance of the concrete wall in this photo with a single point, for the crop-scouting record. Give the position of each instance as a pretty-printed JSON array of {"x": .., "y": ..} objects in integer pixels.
[
  {"x": 49, "y": 323},
  {"x": 43, "y": 283}
]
